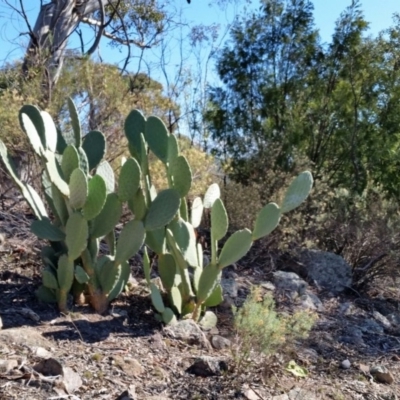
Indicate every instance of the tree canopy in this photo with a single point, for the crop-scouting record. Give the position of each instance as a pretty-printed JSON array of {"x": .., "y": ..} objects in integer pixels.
[{"x": 285, "y": 96}]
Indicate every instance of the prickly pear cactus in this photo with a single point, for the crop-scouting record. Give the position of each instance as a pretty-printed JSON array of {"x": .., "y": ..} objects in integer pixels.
[
  {"x": 79, "y": 191},
  {"x": 188, "y": 287}
]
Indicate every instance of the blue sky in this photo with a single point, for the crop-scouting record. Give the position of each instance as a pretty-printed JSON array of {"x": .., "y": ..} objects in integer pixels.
[{"x": 377, "y": 12}]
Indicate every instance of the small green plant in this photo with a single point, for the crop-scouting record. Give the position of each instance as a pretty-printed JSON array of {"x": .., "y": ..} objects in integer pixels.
[{"x": 260, "y": 329}]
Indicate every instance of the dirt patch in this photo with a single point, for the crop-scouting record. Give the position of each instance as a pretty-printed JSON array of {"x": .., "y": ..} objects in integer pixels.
[{"x": 127, "y": 351}]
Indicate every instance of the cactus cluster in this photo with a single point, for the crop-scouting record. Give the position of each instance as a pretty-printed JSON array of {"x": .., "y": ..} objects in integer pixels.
[
  {"x": 188, "y": 286},
  {"x": 85, "y": 200},
  {"x": 78, "y": 186}
]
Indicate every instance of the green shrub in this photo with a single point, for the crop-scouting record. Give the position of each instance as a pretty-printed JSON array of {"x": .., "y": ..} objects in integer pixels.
[{"x": 260, "y": 329}]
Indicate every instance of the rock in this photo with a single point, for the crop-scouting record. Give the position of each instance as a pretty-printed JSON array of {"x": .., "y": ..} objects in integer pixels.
[
  {"x": 328, "y": 270},
  {"x": 41, "y": 352},
  {"x": 382, "y": 319},
  {"x": 49, "y": 367},
  {"x": 290, "y": 282},
  {"x": 301, "y": 394},
  {"x": 268, "y": 286},
  {"x": 347, "y": 308},
  {"x": 250, "y": 394},
  {"x": 30, "y": 337},
  {"x": 130, "y": 366},
  {"x": 128, "y": 394},
  {"x": 381, "y": 374},
  {"x": 1, "y": 323},
  {"x": 345, "y": 364},
  {"x": 308, "y": 355},
  {"x": 219, "y": 342},
  {"x": 230, "y": 287},
  {"x": 394, "y": 319},
  {"x": 207, "y": 366},
  {"x": 187, "y": 331},
  {"x": 352, "y": 335},
  {"x": 71, "y": 381},
  {"x": 208, "y": 321},
  {"x": 309, "y": 301},
  {"x": 371, "y": 326},
  {"x": 7, "y": 365},
  {"x": 280, "y": 397}
]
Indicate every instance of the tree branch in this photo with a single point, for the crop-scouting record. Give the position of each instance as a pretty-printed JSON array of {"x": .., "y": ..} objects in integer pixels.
[
  {"x": 101, "y": 29},
  {"x": 126, "y": 42}
]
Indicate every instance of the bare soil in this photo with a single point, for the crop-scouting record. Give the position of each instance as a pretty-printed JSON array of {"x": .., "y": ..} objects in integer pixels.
[{"x": 128, "y": 348}]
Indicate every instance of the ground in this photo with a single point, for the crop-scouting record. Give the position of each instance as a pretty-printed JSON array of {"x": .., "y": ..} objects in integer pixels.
[{"x": 128, "y": 349}]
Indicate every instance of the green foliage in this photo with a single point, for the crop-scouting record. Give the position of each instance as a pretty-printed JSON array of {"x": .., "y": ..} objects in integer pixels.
[
  {"x": 83, "y": 213},
  {"x": 170, "y": 234},
  {"x": 333, "y": 106},
  {"x": 259, "y": 328}
]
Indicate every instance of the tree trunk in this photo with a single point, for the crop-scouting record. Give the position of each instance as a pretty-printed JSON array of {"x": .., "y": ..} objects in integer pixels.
[{"x": 49, "y": 38}]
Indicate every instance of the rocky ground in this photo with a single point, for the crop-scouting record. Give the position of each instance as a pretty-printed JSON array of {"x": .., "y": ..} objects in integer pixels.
[{"x": 353, "y": 351}]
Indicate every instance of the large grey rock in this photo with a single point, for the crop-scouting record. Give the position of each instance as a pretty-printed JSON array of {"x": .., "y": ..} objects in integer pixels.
[{"x": 327, "y": 270}]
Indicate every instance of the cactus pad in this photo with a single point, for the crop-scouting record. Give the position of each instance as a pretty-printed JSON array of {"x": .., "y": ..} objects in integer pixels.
[
  {"x": 297, "y": 192},
  {"x": 44, "y": 229},
  {"x": 94, "y": 145},
  {"x": 181, "y": 175},
  {"x": 130, "y": 241},
  {"x": 70, "y": 161},
  {"x": 162, "y": 209},
  {"x": 236, "y": 247},
  {"x": 78, "y": 188},
  {"x": 76, "y": 235},
  {"x": 129, "y": 180},
  {"x": 106, "y": 172},
  {"x": 156, "y": 135},
  {"x": 212, "y": 193},
  {"x": 75, "y": 123},
  {"x": 219, "y": 220},
  {"x": 267, "y": 220},
  {"x": 97, "y": 194},
  {"x": 108, "y": 217}
]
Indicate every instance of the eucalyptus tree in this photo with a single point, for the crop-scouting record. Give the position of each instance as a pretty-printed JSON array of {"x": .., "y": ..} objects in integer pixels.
[{"x": 130, "y": 23}]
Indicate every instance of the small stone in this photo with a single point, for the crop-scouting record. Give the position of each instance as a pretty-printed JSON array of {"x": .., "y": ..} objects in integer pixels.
[
  {"x": 394, "y": 319},
  {"x": 7, "y": 365},
  {"x": 382, "y": 319},
  {"x": 381, "y": 374},
  {"x": 219, "y": 342},
  {"x": 128, "y": 394},
  {"x": 251, "y": 395},
  {"x": 71, "y": 380},
  {"x": 188, "y": 331},
  {"x": 208, "y": 366},
  {"x": 345, "y": 364},
  {"x": 301, "y": 394},
  {"x": 268, "y": 286},
  {"x": 41, "y": 352}
]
